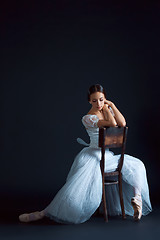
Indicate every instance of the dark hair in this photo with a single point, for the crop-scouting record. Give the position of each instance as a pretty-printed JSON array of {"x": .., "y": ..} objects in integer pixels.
[{"x": 95, "y": 88}]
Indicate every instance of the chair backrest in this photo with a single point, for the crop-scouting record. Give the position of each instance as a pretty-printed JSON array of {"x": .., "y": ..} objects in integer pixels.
[{"x": 113, "y": 137}]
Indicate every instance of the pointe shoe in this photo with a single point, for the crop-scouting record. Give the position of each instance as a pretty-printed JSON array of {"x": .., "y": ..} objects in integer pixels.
[
  {"x": 137, "y": 206},
  {"x": 29, "y": 217}
]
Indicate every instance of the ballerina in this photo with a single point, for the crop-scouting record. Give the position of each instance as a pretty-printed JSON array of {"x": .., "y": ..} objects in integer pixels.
[{"x": 81, "y": 194}]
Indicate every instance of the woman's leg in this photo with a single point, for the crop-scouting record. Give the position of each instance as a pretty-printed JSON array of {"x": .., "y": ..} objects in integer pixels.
[
  {"x": 34, "y": 216},
  {"x": 137, "y": 207},
  {"x": 135, "y": 174},
  {"x": 136, "y": 202}
]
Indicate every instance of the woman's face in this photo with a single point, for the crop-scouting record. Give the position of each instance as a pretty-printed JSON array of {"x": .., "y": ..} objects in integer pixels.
[{"x": 97, "y": 100}]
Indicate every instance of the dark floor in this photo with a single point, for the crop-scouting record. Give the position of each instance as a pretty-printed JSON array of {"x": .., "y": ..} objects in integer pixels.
[{"x": 95, "y": 228}]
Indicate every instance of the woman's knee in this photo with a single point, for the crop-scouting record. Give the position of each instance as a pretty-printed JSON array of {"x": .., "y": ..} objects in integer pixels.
[{"x": 141, "y": 166}]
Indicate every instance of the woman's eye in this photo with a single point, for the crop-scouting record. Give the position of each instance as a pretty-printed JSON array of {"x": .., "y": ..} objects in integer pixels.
[
  {"x": 101, "y": 99},
  {"x": 94, "y": 101}
]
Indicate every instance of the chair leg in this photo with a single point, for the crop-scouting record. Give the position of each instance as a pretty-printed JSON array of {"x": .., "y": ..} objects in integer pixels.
[
  {"x": 104, "y": 205},
  {"x": 121, "y": 196}
]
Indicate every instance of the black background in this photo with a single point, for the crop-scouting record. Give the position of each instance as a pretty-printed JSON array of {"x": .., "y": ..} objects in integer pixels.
[{"x": 52, "y": 52}]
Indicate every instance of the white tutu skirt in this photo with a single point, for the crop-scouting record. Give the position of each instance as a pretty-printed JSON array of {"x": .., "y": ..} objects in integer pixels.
[{"x": 81, "y": 195}]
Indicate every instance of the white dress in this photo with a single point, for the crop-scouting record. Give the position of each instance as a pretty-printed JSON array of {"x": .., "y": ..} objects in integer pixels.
[{"x": 81, "y": 195}]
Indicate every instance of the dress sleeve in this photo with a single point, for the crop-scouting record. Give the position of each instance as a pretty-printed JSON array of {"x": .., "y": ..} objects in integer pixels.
[{"x": 90, "y": 121}]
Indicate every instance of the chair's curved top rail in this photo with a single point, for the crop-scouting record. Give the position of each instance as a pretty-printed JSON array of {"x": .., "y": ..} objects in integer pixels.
[{"x": 112, "y": 137}]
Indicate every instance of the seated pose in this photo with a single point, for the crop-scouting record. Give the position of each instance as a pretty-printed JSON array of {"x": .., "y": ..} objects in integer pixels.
[{"x": 81, "y": 195}]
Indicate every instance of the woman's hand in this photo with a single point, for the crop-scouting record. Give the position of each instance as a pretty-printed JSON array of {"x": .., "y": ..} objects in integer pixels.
[
  {"x": 108, "y": 116},
  {"x": 109, "y": 103},
  {"x": 119, "y": 118},
  {"x": 105, "y": 106}
]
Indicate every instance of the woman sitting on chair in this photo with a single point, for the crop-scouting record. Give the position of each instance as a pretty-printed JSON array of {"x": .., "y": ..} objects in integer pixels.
[{"x": 81, "y": 195}]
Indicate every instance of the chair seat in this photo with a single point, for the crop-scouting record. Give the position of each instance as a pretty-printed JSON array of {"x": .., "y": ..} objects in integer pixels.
[
  {"x": 111, "y": 178},
  {"x": 110, "y": 182},
  {"x": 115, "y": 173}
]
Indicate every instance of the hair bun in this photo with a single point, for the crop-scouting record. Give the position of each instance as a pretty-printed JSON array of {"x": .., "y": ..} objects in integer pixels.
[{"x": 95, "y": 88}]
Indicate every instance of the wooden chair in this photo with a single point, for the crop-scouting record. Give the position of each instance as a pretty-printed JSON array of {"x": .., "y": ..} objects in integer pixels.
[{"x": 112, "y": 137}]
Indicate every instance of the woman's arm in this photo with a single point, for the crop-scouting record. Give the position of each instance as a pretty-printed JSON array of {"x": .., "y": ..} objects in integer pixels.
[
  {"x": 109, "y": 119},
  {"x": 118, "y": 116}
]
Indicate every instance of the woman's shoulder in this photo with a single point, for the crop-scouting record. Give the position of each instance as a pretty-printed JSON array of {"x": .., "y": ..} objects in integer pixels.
[
  {"x": 90, "y": 120},
  {"x": 89, "y": 116},
  {"x": 90, "y": 113}
]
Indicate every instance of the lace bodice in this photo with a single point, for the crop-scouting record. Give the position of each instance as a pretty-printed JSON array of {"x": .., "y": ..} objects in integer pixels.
[{"x": 90, "y": 123}]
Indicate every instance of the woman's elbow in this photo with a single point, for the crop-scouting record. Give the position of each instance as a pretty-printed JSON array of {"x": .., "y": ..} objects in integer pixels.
[
  {"x": 122, "y": 124},
  {"x": 113, "y": 124}
]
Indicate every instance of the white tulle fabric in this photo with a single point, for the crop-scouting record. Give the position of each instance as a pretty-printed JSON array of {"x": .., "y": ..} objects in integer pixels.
[{"x": 81, "y": 195}]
